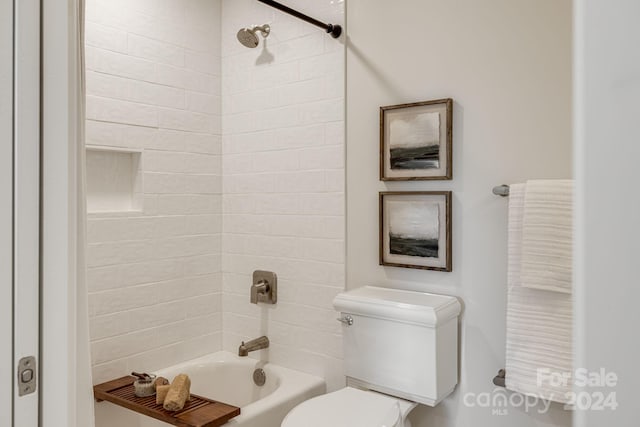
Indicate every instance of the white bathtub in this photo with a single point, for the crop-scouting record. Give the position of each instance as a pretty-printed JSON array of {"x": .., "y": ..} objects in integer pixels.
[{"x": 228, "y": 378}]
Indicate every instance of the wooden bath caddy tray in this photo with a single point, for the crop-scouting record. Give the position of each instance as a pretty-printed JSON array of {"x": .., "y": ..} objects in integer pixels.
[{"x": 198, "y": 412}]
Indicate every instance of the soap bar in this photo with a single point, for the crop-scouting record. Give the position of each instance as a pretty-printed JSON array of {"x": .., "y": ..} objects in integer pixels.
[
  {"x": 178, "y": 393},
  {"x": 161, "y": 393},
  {"x": 161, "y": 381}
]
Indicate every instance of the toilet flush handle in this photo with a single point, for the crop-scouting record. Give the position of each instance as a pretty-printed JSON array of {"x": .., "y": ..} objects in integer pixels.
[{"x": 347, "y": 320}]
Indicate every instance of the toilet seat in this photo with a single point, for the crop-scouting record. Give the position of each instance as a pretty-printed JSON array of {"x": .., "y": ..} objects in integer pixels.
[{"x": 349, "y": 407}]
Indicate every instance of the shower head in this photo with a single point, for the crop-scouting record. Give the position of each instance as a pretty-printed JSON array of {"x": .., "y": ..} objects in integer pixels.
[{"x": 248, "y": 37}]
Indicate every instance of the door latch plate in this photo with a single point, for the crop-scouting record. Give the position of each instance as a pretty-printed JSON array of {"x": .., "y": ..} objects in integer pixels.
[{"x": 27, "y": 376}]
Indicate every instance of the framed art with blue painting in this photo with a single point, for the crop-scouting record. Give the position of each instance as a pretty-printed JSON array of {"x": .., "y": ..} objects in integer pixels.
[
  {"x": 415, "y": 229},
  {"x": 415, "y": 141}
]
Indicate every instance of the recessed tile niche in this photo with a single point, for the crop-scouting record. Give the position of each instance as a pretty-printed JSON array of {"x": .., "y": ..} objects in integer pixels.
[{"x": 114, "y": 180}]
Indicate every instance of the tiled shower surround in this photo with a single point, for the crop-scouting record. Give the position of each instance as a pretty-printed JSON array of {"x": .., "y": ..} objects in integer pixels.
[
  {"x": 283, "y": 186},
  {"x": 242, "y": 169},
  {"x": 153, "y": 84}
]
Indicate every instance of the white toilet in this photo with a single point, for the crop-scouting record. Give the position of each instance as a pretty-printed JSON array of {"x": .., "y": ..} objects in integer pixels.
[{"x": 400, "y": 349}]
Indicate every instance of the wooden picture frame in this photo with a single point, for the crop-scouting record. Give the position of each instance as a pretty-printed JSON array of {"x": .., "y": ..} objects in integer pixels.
[
  {"x": 415, "y": 229},
  {"x": 416, "y": 141}
]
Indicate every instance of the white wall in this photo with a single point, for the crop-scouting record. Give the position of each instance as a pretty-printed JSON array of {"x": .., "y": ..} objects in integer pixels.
[
  {"x": 507, "y": 66},
  {"x": 607, "y": 152},
  {"x": 153, "y": 83},
  {"x": 283, "y": 201}
]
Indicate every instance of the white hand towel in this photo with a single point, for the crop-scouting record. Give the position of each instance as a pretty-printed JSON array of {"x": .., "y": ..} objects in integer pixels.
[
  {"x": 539, "y": 324},
  {"x": 515, "y": 224},
  {"x": 547, "y": 236}
]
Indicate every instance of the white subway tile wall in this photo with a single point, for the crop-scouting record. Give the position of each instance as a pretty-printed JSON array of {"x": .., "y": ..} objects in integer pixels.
[
  {"x": 243, "y": 169},
  {"x": 154, "y": 277},
  {"x": 283, "y": 183}
]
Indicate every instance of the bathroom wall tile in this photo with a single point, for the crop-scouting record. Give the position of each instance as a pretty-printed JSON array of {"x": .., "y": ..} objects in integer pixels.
[
  {"x": 303, "y": 47},
  {"x": 175, "y": 140},
  {"x": 300, "y": 137},
  {"x": 155, "y": 50},
  {"x": 154, "y": 94},
  {"x": 106, "y": 85},
  {"x": 204, "y": 103},
  {"x": 100, "y": 230},
  {"x": 103, "y": 372},
  {"x": 186, "y": 246},
  {"x": 283, "y": 188},
  {"x": 103, "y": 133},
  {"x": 203, "y": 62},
  {"x": 200, "y": 346},
  {"x": 203, "y": 264},
  {"x": 316, "y": 295},
  {"x": 111, "y": 110},
  {"x": 121, "y": 252},
  {"x": 327, "y": 157},
  {"x": 202, "y": 305},
  {"x": 158, "y": 315},
  {"x": 125, "y": 298},
  {"x": 153, "y": 80},
  {"x": 281, "y": 160},
  {"x": 187, "y": 329},
  {"x": 277, "y": 203},
  {"x": 330, "y": 250},
  {"x": 104, "y": 278},
  {"x": 320, "y": 65},
  {"x": 185, "y": 120},
  {"x": 176, "y": 291},
  {"x": 276, "y": 75},
  {"x": 203, "y": 224},
  {"x": 170, "y": 76},
  {"x": 178, "y": 183},
  {"x": 169, "y": 226},
  {"x": 110, "y": 86},
  {"x": 138, "y": 136},
  {"x": 151, "y": 271},
  {"x": 335, "y": 180},
  {"x": 119, "y": 64},
  {"x": 160, "y": 76},
  {"x": 238, "y": 163},
  {"x": 301, "y": 92},
  {"x": 256, "y": 100},
  {"x": 201, "y": 39},
  {"x": 202, "y": 82},
  {"x": 335, "y": 133},
  {"x": 110, "y": 325},
  {"x": 322, "y": 111},
  {"x": 183, "y": 204},
  {"x": 123, "y": 345},
  {"x": 322, "y": 204},
  {"x": 153, "y": 359}
]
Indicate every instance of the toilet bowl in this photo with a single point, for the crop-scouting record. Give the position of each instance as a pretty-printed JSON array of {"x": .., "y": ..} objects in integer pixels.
[
  {"x": 400, "y": 350},
  {"x": 350, "y": 407}
]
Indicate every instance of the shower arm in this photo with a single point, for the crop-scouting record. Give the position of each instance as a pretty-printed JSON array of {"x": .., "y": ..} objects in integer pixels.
[
  {"x": 264, "y": 29},
  {"x": 334, "y": 30}
]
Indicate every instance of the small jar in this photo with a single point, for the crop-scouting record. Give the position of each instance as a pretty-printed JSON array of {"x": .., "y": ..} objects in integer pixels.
[{"x": 146, "y": 387}]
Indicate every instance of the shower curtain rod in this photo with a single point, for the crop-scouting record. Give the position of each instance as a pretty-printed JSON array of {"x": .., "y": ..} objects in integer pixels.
[{"x": 334, "y": 30}]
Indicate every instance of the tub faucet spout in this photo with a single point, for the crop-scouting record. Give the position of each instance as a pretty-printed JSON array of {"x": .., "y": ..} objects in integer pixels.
[{"x": 253, "y": 345}]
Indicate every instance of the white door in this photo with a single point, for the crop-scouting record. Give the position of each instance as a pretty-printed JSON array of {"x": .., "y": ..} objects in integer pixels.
[
  {"x": 6, "y": 212},
  {"x": 21, "y": 208}
]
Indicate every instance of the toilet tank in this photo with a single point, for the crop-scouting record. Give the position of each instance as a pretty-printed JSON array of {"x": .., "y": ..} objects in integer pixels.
[{"x": 400, "y": 343}]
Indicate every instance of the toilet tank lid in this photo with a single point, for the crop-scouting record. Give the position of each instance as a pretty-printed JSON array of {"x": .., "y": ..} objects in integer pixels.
[{"x": 394, "y": 304}]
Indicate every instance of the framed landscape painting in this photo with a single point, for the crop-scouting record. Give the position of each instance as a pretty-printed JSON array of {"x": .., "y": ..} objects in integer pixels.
[
  {"x": 415, "y": 229},
  {"x": 415, "y": 141}
]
